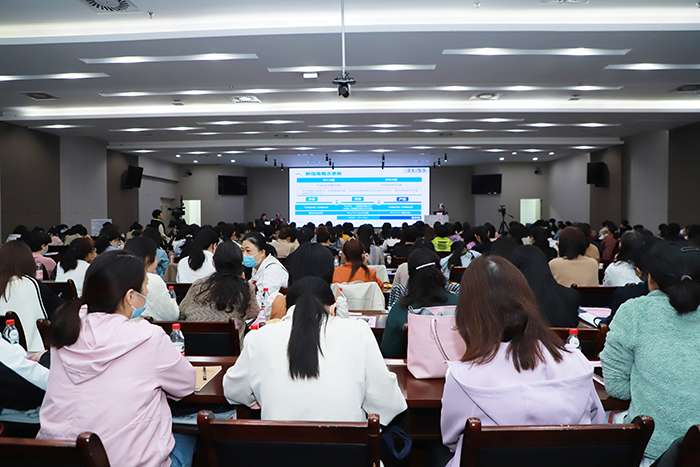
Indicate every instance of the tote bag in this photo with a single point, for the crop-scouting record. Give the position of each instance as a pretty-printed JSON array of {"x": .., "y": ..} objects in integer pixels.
[{"x": 433, "y": 340}]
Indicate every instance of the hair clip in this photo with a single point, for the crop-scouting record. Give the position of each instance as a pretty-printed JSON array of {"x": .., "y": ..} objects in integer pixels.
[
  {"x": 687, "y": 249},
  {"x": 686, "y": 277},
  {"x": 425, "y": 265}
]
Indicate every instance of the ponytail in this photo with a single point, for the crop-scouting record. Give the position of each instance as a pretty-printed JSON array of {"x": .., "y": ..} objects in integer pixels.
[
  {"x": 310, "y": 295},
  {"x": 675, "y": 267},
  {"x": 79, "y": 249},
  {"x": 65, "y": 325},
  {"x": 458, "y": 249},
  {"x": 204, "y": 239}
]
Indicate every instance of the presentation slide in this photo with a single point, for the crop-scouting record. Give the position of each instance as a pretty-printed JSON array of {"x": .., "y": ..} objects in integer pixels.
[{"x": 359, "y": 195}]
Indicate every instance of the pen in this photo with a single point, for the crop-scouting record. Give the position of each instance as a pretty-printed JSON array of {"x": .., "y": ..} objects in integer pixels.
[{"x": 204, "y": 373}]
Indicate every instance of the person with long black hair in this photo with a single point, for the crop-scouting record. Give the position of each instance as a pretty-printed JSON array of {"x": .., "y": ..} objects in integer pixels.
[
  {"x": 557, "y": 304},
  {"x": 426, "y": 288},
  {"x": 224, "y": 294},
  {"x": 334, "y": 370},
  {"x": 199, "y": 263},
  {"x": 622, "y": 272},
  {"x": 651, "y": 351},
  {"x": 76, "y": 261},
  {"x": 111, "y": 376}
]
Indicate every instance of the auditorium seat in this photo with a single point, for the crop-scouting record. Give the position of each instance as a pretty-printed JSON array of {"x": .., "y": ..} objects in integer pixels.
[
  {"x": 206, "y": 338},
  {"x": 245, "y": 443},
  {"x": 86, "y": 451}
]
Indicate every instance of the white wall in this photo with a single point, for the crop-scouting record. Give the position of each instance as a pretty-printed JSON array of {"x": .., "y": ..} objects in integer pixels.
[
  {"x": 569, "y": 194},
  {"x": 203, "y": 185},
  {"x": 645, "y": 163},
  {"x": 160, "y": 180},
  {"x": 83, "y": 172}
]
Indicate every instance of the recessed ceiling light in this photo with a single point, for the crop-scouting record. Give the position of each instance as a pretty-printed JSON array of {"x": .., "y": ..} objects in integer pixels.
[
  {"x": 195, "y": 162},
  {"x": 53, "y": 76},
  {"x": 461, "y": 147},
  {"x": 439, "y": 120},
  {"x": 264, "y": 149},
  {"x": 235, "y": 152},
  {"x": 551, "y": 153},
  {"x": 583, "y": 147},
  {"x": 344, "y": 150},
  {"x": 535, "y": 159},
  {"x": 222, "y": 122},
  {"x": 576, "y": 52},
  {"x": 381, "y": 150},
  {"x": 515, "y": 153},
  {"x": 388, "y": 125},
  {"x": 196, "y": 153},
  {"x": 218, "y": 155},
  {"x": 322, "y": 68},
  {"x": 281, "y": 122},
  {"x": 473, "y": 130},
  {"x": 182, "y": 128},
  {"x": 132, "y": 130},
  {"x": 210, "y": 57},
  {"x": 144, "y": 151},
  {"x": 310, "y": 75},
  {"x": 177, "y": 155},
  {"x": 304, "y": 148},
  {"x": 495, "y": 150},
  {"x": 294, "y": 132},
  {"x": 653, "y": 66},
  {"x": 533, "y": 150},
  {"x": 330, "y": 125},
  {"x": 596, "y": 125},
  {"x": 384, "y": 130},
  {"x": 205, "y": 133},
  {"x": 501, "y": 158},
  {"x": 57, "y": 127},
  {"x": 517, "y": 130},
  {"x": 233, "y": 160},
  {"x": 422, "y": 147},
  {"x": 340, "y": 131},
  {"x": 427, "y": 130},
  {"x": 499, "y": 120},
  {"x": 541, "y": 124}
]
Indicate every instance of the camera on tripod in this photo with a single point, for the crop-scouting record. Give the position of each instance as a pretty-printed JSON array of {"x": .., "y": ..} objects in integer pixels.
[{"x": 502, "y": 210}]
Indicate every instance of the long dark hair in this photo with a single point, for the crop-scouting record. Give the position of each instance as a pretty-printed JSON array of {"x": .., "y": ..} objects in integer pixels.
[
  {"x": 143, "y": 247},
  {"x": 311, "y": 259},
  {"x": 204, "y": 239},
  {"x": 16, "y": 260},
  {"x": 311, "y": 295},
  {"x": 107, "y": 281},
  {"x": 353, "y": 250},
  {"x": 79, "y": 249},
  {"x": 497, "y": 305},
  {"x": 675, "y": 267},
  {"x": 551, "y": 296},
  {"x": 225, "y": 288},
  {"x": 628, "y": 241},
  {"x": 458, "y": 249},
  {"x": 426, "y": 282}
]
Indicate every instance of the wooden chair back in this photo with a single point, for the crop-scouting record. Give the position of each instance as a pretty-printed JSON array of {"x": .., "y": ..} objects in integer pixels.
[
  {"x": 397, "y": 260},
  {"x": 18, "y": 325},
  {"x": 86, "y": 451},
  {"x": 283, "y": 291},
  {"x": 689, "y": 452},
  {"x": 605, "y": 445},
  {"x": 180, "y": 289},
  {"x": 44, "y": 327},
  {"x": 206, "y": 338},
  {"x": 596, "y": 296},
  {"x": 65, "y": 290},
  {"x": 592, "y": 340},
  {"x": 262, "y": 442},
  {"x": 456, "y": 273}
]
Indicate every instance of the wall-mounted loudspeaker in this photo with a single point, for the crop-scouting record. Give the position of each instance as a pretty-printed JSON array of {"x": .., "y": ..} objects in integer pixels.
[{"x": 597, "y": 174}]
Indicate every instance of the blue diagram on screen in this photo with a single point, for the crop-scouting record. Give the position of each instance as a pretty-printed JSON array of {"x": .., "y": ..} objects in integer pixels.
[{"x": 359, "y": 195}]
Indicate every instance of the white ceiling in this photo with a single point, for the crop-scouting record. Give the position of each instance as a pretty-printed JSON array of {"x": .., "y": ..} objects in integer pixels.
[{"x": 45, "y": 37}]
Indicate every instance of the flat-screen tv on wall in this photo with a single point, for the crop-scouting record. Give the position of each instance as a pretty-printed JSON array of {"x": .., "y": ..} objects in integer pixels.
[
  {"x": 486, "y": 184},
  {"x": 229, "y": 185}
]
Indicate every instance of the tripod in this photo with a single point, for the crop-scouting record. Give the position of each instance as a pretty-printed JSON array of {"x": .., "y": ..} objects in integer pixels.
[{"x": 503, "y": 227}]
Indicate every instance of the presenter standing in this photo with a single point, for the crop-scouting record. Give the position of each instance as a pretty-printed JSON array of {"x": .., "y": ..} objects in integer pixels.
[{"x": 441, "y": 210}]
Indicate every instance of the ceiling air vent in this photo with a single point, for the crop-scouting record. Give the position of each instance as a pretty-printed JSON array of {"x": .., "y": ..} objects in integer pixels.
[
  {"x": 245, "y": 99},
  {"x": 40, "y": 96},
  {"x": 686, "y": 88},
  {"x": 486, "y": 96},
  {"x": 111, "y": 6}
]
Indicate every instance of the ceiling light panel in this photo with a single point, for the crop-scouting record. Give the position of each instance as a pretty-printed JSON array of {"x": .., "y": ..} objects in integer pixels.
[
  {"x": 53, "y": 76},
  {"x": 573, "y": 52},
  {"x": 325, "y": 68},
  {"x": 653, "y": 66},
  {"x": 212, "y": 57}
]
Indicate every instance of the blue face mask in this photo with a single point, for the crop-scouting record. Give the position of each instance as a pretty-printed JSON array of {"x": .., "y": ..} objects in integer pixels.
[
  {"x": 137, "y": 311},
  {"x": 249, "y": 261}
]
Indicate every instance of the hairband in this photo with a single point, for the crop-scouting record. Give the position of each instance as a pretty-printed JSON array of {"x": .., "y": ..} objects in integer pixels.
[
  {"x": 425, "y": 265},
  {"x": 687, "y": 249},
  {"x": 686, "y": 277}
]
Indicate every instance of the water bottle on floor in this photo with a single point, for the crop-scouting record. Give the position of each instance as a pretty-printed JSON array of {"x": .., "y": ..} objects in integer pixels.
[{"x": 178, "y": 339}]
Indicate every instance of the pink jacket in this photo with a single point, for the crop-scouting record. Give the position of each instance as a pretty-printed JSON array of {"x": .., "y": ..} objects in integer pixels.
[
  {"x": 113, "y": 381},
  {"x": 551, "y": 394}
]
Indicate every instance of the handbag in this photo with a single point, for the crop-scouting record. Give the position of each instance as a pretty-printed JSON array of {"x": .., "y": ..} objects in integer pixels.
[{"x": 433, "y": 340}]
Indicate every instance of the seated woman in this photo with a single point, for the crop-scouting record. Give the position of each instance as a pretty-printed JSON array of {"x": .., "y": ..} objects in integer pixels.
[
  {"x": 573, "y": 266},
  {"x": 110, "y": 375},
  {"x": 651, "y": 350},
  {"x": 285, "y": 245},
  {"x": 39, "y": 244},
  {"x": 483, "y": 242},
  {"x": 557, "y": 304},
  {"x": 441, "y": 242},
  {"x": 267, "y": 272},
  {"x": 162, "y": 260},
  {"x": 198, "y": 263},
  {"x": 515, "y": 371},
  {"x": 355, "y": 267},
  {"x": 426, "y": 287},
  {"x": 224, "y": 294},
  {"x": 76, "y": 261},
  {"x": 312, "y": 260},
  {"x": 539, "y": 237},
  {"x": 621, "y": 272},
  {"x": 22, "y": 381},
  {"x": 160, "y": 306},
  {"x": 459, "y": 257},
  {"x": 314, "y": 365}
]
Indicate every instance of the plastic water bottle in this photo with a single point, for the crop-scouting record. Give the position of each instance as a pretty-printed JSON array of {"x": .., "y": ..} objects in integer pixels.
[
  {"x": 262, "y": 317},
  {"x": 388, "y": 260},
  {"x": 336, "y": 261},
  {"x": 39, "y": 272},
  {"x": 340, "y": 291},
  {"x": 10, "y": 333},
  {"x": 573, "y": 338},
  {"x": 178, "y": 339},
  {"x": 171, "y": 292}
]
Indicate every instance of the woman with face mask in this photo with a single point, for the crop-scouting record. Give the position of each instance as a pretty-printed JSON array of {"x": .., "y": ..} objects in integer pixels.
[
  {"x": 267, "y": 272},
  {"x": 110, "y": 376}
]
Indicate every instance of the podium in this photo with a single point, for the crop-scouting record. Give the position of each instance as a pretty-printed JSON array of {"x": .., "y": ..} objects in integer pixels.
[{"x": 431, "y": 219}]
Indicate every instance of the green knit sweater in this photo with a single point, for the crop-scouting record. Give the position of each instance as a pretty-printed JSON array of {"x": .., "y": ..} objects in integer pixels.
[{"x": 652, "y": 358}]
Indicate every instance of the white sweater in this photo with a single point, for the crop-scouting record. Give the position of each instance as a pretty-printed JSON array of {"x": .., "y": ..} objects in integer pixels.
[
  {"x": 186, "y": 275},
  {"x": 353, "y": 378},
  {"x": 160, "y": 306}
]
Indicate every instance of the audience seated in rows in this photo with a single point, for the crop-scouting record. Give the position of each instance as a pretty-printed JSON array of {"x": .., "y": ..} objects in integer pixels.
[{"x": 573, "y": 266}]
